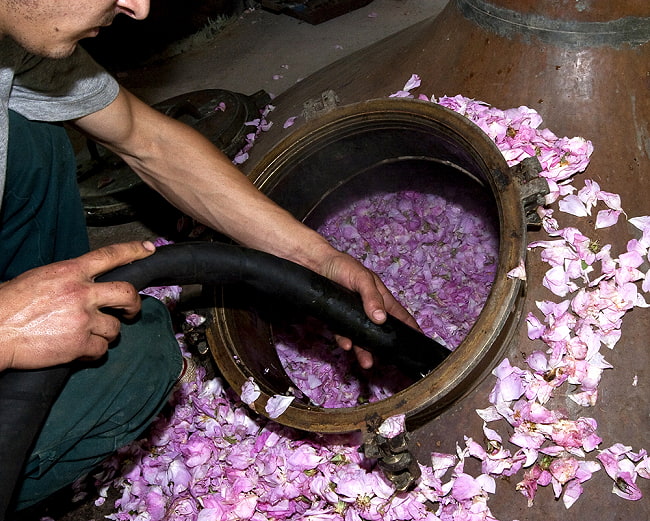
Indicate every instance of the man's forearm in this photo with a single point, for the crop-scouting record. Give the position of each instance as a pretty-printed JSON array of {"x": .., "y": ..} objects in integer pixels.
[{"x": 197, "y": 178}]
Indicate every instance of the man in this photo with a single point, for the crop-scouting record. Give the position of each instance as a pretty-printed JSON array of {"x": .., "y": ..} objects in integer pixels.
[{"x": 51, "y": 310}]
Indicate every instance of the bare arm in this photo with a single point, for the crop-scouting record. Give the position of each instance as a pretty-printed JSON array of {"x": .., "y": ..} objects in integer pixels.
[{"x": 196, "y": 177}]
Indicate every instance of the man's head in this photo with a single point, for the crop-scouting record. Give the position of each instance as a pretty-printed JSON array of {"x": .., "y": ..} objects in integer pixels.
[{"x": 53, "y": 28}]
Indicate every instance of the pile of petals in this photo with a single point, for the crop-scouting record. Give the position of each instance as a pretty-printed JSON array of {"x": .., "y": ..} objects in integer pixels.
[
  {"x": 259, "y": 125},
  {"x": 436, "y": 252},
  {"x": 214, "y": 460},
  {"x": 550, "y": 446},
  {"x": 326, "y": 374}
]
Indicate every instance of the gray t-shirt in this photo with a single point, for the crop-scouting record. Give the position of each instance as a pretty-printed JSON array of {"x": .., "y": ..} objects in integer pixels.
[{"x": 48, "y": 89}]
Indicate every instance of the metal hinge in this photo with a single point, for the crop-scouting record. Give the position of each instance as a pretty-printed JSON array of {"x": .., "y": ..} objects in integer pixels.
[
  {"x": 393, "y": 457},
  {"x": 314, "y": 108},
  {"x": 532, "y": 188}
]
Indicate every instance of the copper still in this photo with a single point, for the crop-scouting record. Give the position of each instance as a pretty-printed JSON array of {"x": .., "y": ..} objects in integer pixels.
[{"x": 584, "y": 65}]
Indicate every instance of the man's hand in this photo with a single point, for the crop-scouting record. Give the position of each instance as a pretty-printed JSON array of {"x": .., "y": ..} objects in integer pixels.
[
  {"x": 377, "y": 300},
  {"x": 54, "y": 314}
]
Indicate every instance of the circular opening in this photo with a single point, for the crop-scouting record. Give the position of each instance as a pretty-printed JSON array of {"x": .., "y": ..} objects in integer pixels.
[
  {"x": 381, "y": 146},
  {"x": 431, "y": 233}
]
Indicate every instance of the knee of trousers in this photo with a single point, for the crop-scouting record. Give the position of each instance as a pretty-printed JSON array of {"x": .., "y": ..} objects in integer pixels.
[{"x": 105, "y": 406}]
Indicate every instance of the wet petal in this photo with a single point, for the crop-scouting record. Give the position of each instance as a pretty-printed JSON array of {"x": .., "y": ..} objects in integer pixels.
[
  {"x": 572, "y": 492},
  {"x": 573, "y": 205},
  {"x": 289, "y": 122},
  {"x": 519, "y": 272},
  {"x": 250, "y": 391},
  {"x": 392, "y": 426},
  {"x": 277, "y": 404},
  {"x": 607, "y": 218}
]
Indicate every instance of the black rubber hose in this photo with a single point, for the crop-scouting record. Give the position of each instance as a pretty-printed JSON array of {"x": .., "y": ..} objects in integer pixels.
[
  {"x": 219, "y": 264},
  {"x": 26, "y": 396},
  {"x": 25, "y": 401}
]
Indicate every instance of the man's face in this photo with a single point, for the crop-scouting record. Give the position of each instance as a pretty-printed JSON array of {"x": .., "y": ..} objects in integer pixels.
[{"x": 53, "y": 28}]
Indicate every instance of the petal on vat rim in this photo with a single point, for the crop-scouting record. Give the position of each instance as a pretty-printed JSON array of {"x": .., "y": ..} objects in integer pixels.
[
  {"x": 277, "y": 405},
  {"x": 250, "y": 391},
  {"x": 641, "y": 223}
]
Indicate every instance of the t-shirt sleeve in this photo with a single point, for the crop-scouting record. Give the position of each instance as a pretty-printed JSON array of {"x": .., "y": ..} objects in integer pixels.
[{"x": 61, "y": 89}]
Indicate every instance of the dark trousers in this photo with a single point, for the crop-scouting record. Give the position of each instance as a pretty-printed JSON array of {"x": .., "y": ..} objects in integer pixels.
[{"x": 107, "y": 403}]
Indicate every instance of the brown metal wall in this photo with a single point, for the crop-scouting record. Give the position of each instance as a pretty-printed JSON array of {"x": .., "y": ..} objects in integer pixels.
[{"x": 577, "y": 10}]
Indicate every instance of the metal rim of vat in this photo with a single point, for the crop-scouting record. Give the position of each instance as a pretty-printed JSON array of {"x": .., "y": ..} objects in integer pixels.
[{"x": 471, "y": 149}]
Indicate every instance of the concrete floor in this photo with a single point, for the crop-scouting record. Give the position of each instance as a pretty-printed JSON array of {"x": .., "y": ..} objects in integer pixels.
[{"x": 264, "y": 50}]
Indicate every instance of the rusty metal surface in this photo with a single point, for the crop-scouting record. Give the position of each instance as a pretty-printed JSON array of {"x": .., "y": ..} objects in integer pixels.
[
  {"x": 573, "y": 10},
  {"x": 556, "y": 23},
  {"x": 601, "y": 92}
]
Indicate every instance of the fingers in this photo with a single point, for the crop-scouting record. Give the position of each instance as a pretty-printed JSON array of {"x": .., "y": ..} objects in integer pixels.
[
  {"x": 378, "y": 303},
  {"x": 105, "y": 326},
  {"x": 56, "y": 313},
  {"x": 392, "y": 306},
  {"x": 373, "y": 293},
  {"x": 395, "y": 309},
  {"x": 107, "y": 258},
  {"x": 96, "y": 347},
  {"x": 117, "y": 295},
  {"x": 364, "y": 358}
]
